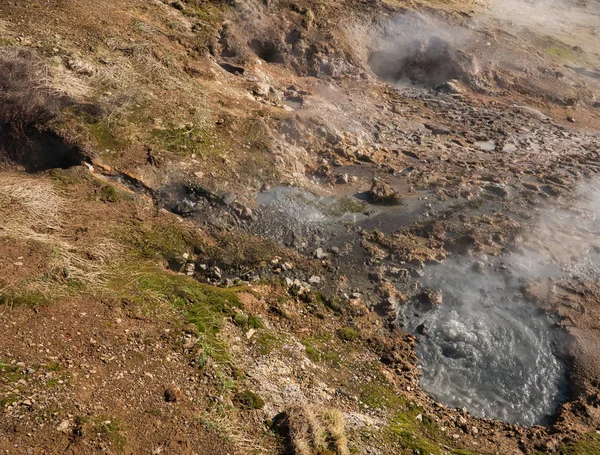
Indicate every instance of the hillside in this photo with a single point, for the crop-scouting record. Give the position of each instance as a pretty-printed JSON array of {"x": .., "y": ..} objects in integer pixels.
[{"x": 308, "y": 227}]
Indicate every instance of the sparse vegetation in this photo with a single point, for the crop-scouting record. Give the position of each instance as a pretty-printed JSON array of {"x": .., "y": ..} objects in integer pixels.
[
  {"x": 112, "y": 430},
  {"x": 23, "y": 297},
  {"x": 23, "y": 104},
  {"x": 108, "y": 193},
  {"x": 249, "y": 400},
  {"x": 314, "y": 431},
  {"x": 348, "y": 334}
]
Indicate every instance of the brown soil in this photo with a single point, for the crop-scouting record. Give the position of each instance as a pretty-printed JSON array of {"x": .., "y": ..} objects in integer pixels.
[{"x": 106, "y": 346}]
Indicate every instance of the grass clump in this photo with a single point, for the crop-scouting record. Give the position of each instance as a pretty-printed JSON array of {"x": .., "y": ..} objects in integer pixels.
[
  {"x": 244, "y": 321},
  {"x": 266, "y": 342},
  {"x": 166, "y": 240},
  {"x": 311, "y": 430},
  {"x": 27, "y": 298},
  {"x": 108, "y": 193},
  {"x": 9, "y": 373},
  {"x": 348, "y": 334},
  {"x": 249, "y": 400}
]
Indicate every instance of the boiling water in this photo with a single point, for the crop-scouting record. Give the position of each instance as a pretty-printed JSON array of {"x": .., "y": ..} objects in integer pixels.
[{"x": 487, "y": 349}]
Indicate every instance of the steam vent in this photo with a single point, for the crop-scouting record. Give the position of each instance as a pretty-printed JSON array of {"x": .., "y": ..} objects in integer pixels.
[{"x": 252, "y": 227}]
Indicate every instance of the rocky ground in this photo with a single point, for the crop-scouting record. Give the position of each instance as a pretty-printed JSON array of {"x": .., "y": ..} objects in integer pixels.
[{"x": 212, "y": 212}]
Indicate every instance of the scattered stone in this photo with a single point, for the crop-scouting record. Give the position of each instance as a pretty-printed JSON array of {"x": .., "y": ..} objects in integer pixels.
[
  {"x": 450, "y": 87},
  {"x": 382, "y": 193},
  {"x": 438, "y": 130},
  {"x": 261, "y": 89},
  {"x": 314, "y": 280},
  {"x": 190, "y": 268},
  {"x": 343, "y": 179},
  {"x": 228, "y": 198},
  {"x": 571, "y": 119},
  {"x": 391, "y": 303},
  {"x": 320, "y": 254},
  {"x": 64, "y": 426}
]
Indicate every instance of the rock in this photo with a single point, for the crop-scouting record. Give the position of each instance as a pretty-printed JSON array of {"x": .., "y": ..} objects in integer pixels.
[
  {"x": 265, "y": 188},
  {"x": 382, "y": 193},
  {"x": 334, "y": 250},
  {"x": 81, "y": 67},
  {"x": 438, "y": 130},
  {"x": 449, "y": 87},
  {"x": 190, "y": 268},
  {"x": 228, "y": 198},
  {"x": 571, "y": 119},
  {"x": 343, "y": 179},
  {"x": 321, "y": 254},
  {"x": 497, "y": 189},
  {"x": 173, "y": 394},
  {"x": 314, "y": 280},
  {"x": 64, "y": 426},
  {"x": 391, "y": 303},
  {"x": 261, "y": 89}
]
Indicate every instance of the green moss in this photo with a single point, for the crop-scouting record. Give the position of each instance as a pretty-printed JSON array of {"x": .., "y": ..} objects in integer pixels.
[
  {"x": 7, "y": 400},
  {"x": 241, "y": 320},
  {"x": 7, "y": 368},
  {"x": 161, "y": 239},
  {"x": 104, "y": 138},
  {"x": 112, "y": 430},
  {"x": 266, "y": 342},
  {"x": 54, "y": 366},
  {"x": 204, "y": 306},
  {"x": 29, "y": 298},
  {"x": 256, "y": 322},
  {"x": 588, "y": 444},
  {"x": 348, "y": 334},
  {"x": 350, "y": 205},
  {"x": 317, "y": 351},
  {"x": 108, "y": 193},
  {"x": 181, "y": 141},
  {"x": 249, "y": 400},
  {"x": 410, "y": 429},
  {"x": 562, "y": 53}
]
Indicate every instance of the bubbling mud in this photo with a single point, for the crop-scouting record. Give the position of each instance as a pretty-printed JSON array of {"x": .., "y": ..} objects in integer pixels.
[{"x": 487, "y": 349}]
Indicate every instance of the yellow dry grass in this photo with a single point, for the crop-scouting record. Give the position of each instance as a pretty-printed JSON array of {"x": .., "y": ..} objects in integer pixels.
[
  {"x": 314, "y": 430},
  {"x": 32, "y": 209}
]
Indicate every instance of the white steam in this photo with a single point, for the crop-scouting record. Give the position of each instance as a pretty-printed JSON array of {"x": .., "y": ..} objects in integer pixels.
[{"x": 486, "y": 347}]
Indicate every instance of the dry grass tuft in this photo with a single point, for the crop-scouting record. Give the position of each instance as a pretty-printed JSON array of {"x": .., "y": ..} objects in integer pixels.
[
  {"x": 31, "y": 209},
  {"x": 24, "y": 102},
  {"x": 312, "y": 430}
]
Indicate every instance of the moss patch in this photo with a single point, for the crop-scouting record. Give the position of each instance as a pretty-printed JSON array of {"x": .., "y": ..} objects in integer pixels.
[
  {"x": 154, "y": 290},
  {"x": 24, "y": 297},
  {"x": 348, "y": 334},
  {"x": 108, "y": 193},
  {"x": 249, "y": 400}
]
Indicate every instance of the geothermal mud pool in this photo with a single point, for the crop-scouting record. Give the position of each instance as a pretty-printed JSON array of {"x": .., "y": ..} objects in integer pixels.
[{"x": 486, "y": 348}]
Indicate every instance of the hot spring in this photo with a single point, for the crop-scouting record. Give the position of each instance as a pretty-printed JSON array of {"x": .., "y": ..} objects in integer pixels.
[{"x": 485, "y": 348}]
